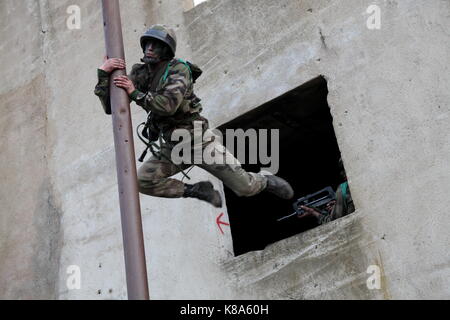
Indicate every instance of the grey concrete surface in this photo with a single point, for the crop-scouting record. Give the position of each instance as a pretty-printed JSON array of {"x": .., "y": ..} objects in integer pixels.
[{"x": 390, "y": 102}]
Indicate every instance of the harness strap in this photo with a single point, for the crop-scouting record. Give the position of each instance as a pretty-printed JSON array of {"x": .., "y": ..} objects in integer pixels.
[
  {"x": 344, "y": 189},
  {"x": 166, "y": 73},
  {"x": 158, "y": 154}
]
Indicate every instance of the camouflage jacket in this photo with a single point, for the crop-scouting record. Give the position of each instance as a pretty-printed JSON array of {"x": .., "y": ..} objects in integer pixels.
[{"x": 167, "y": 93}]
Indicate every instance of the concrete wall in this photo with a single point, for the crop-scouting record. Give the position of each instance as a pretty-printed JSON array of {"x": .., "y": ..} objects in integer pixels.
[
  {"x": 388, "y": 96},
  {"x": 30, "y": 232}
]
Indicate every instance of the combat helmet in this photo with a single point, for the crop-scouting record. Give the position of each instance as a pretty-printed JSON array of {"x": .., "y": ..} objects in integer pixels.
[{"x": 163, "y": 33}]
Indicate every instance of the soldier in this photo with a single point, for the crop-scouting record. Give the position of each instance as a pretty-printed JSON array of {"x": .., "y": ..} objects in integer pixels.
[
  {"x": 335, "y": 209},
  {"x": 338, "y": 208},
  {"x": 163, "y": 86}
]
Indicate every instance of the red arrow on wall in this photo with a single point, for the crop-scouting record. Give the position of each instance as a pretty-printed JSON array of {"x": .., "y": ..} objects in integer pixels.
[{"x": 219, "y": 222}]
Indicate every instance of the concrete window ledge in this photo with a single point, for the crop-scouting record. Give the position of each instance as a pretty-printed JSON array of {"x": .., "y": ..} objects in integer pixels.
[{"x": 327, "y": 262}]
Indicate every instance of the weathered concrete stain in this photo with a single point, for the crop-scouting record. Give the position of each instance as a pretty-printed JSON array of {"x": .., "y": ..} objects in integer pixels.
[
  {"x": 384, "y": 282},
  {"x": 30, "y": 252},
  {"x": 48, "y": 243}
]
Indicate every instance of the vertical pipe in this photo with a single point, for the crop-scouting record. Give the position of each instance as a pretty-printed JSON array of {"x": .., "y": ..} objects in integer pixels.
[{"x": 130, "y": 211}]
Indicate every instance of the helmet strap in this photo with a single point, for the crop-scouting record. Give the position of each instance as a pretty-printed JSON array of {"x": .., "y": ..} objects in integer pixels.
[
  {"x": 166, "y": 54},
  {"x": 151, "y": 61}
]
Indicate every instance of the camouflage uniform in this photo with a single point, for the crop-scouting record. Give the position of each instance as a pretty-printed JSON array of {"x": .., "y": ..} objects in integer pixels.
[{"x": 167, "y": 93}]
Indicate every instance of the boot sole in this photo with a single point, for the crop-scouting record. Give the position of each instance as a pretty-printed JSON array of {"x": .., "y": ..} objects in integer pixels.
[
  {"x": 287, "y": 193},
  {"x": 217, "y": 202},
  {"x": 217, "y": 199}
]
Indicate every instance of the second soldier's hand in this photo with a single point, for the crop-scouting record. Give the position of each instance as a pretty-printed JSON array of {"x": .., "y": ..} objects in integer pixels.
[
  {"x": 309, "y": 212},
  {"x": 125, "y": 83}
]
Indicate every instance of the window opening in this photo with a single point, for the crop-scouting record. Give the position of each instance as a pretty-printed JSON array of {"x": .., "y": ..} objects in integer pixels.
[{"x": 309, "y": 159}]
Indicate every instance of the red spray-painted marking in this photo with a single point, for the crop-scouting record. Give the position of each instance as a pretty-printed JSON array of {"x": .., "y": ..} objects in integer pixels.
[{"x": 221, "y": 222}]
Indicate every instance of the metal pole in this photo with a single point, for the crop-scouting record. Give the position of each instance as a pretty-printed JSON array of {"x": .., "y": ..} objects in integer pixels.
[{"x": 130, "y": 211}]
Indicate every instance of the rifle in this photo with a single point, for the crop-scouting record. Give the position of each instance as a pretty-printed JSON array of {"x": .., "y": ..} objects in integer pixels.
[{"x": 317, "y": 200}]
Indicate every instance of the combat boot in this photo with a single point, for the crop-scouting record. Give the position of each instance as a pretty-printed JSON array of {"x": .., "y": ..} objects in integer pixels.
[
  {"x": 279, "y": 187},
  {"x": 203, "y": 190}
]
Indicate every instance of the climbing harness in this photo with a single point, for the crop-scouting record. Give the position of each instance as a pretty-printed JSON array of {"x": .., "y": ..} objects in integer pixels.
[
  {"x": 194, "y": 70},
  {"x": 344, "y": 188},
  {"x": 156, "y": 150}
]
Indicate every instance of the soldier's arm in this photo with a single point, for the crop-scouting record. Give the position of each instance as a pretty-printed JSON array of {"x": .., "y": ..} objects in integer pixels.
[
  {"x": 102, "y": 90},
  {"x": 103, "y": 73},
  {"x": 167, "y": 101}
]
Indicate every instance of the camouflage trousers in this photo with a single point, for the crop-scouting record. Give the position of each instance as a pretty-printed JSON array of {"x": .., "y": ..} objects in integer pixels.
[{"x": 154, "y": 174}]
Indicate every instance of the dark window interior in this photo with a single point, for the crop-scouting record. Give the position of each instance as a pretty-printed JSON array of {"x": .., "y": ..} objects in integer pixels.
[{"x": 309, "y": 160}]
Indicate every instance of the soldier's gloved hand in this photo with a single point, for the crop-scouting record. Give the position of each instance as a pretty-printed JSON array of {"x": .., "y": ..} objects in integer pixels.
[
  {"x": 125, "y": 83},
  {"x": 109, "y": 65}
]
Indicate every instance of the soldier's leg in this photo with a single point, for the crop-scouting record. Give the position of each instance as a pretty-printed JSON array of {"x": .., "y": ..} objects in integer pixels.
[
  {"x": 229, "y": 170},
  {"x": 245, "y": 184},
  {"x": 153, "y": 179}
]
